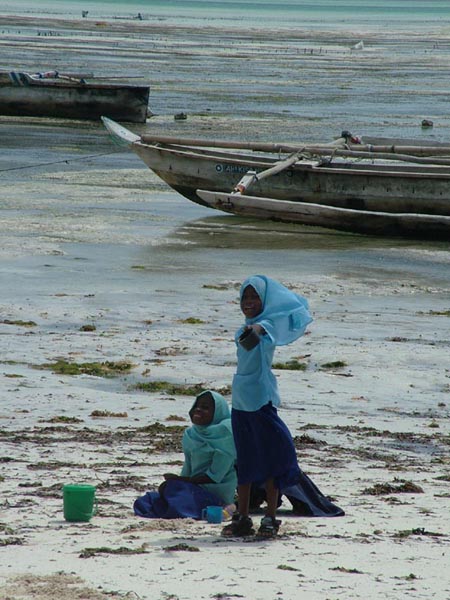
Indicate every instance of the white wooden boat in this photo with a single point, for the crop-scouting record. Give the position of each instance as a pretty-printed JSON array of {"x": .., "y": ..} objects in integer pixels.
[
  {"x": 380, "y": 189},
  {"x": 71, "y": 97}
]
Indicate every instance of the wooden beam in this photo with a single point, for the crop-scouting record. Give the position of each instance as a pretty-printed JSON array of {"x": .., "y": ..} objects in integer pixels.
[{"x": 414, "y": 154}]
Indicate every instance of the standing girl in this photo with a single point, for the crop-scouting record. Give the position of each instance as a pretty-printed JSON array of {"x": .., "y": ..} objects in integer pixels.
[{"x": 265, "y": 450}]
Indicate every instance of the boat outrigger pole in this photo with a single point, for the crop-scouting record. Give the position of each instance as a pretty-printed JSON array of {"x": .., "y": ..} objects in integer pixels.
[{"x": 251, "y": 176}]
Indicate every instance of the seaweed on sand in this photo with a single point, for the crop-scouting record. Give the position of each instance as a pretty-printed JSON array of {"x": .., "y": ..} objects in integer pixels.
[
  {"x": 123, "y": 550},
  {"x": 291, "y": 365},
  {"x": 400, "y": 486},
  {"x": 107, "y": 368},
  {"x": 183, "y": 389}
]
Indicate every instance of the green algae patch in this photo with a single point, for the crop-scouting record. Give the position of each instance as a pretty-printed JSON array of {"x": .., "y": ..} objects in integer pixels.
[
  {"x": 170, "y": 388},
  {"x": 220, "y": 286},
  {"x": 291, "y": 365},
  {"x": 123, "y": 550},
  {"x": 336, "y": 364},
  {"x": 345, "y": 570},
  {"x": 182, "y": 547},
  {"x": 104, "y": 369},
  {"x": 19, "y": 323},
  {"x": 107, "y": 413},
  {"x": 300, "y": 441},
  {"x": 175, "y": 418},
  {"x": 399, "y": 486},
  {"x": 191, "y": 321},
  {"x": 63, "y": 419},
  {"x": 11, "y": 541},
  {"x": 183, "y": 389}
]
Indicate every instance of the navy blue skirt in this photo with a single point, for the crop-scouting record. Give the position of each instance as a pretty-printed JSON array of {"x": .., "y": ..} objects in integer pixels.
[
  {"x": 180, "y": 499},
  {"x": 264, "y": 446}
]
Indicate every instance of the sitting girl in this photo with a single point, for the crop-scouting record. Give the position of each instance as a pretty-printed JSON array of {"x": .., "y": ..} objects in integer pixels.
[{"x": 208, "y": 476}]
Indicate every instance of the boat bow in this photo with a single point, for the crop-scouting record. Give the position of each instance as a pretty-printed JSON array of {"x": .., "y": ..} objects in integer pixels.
[{"x": 120, "y": 135}]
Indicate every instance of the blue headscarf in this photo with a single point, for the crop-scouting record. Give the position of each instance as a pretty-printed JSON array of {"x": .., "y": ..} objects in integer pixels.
[
  {"x": 285, "y": 314},
  {"x": 217, "y": 435}
]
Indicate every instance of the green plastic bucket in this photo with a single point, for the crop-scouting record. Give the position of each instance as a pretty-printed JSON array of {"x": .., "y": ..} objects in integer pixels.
[{"x": 79, "y": 502}]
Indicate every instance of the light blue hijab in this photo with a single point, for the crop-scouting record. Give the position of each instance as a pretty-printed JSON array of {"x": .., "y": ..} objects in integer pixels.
[
  {"x": 285, "y": 314},
  {"x": 217, "y": 435}
]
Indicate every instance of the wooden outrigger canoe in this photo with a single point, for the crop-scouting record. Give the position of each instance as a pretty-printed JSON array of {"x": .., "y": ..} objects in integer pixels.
[
  {"x": 384, "y": 190},
  {"x": 344, "y": 219},
  {"x": 63, "y": 97}
]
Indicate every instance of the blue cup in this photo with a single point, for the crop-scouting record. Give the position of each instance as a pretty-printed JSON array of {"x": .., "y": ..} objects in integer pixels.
[{"x": 213, "y": 514}]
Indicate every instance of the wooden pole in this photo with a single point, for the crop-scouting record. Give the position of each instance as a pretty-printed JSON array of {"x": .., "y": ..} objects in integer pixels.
[
  {"x": 365, "y": 149},
  {"x": 337, "y": 148},
  {"x": 256, "y": 146},
  {"x": 410, "y": 158}
]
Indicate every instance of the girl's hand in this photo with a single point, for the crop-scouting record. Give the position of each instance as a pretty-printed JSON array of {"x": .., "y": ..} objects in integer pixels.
[{"x": 257, "y": 328}]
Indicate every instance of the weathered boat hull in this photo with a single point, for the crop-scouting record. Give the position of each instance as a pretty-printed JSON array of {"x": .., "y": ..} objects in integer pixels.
[
  {"x": 409, "y": 198},
  {"x": 343, "y": 219},
  {"x": 87, "y": 101},
  {"x": 382, "y": 188}
]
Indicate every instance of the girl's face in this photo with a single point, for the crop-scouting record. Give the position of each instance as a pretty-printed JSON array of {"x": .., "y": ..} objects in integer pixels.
[
  {"x": 203, "y": 411},
  {"x": 251, "y": 303}
]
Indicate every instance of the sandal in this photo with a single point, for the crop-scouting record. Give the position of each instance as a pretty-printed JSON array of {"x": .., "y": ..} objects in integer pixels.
[
  {"x": 269, "y": 527},
  {"x": 240, "y": 526}
]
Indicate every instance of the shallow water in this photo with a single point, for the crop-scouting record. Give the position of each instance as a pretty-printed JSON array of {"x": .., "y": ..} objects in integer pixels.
[
  {"x": 249, "y": 13},
  {"x": 114, "y": 231},
  {"x": 253, "y": 78},
  {"x": 81, "y": 212}
]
